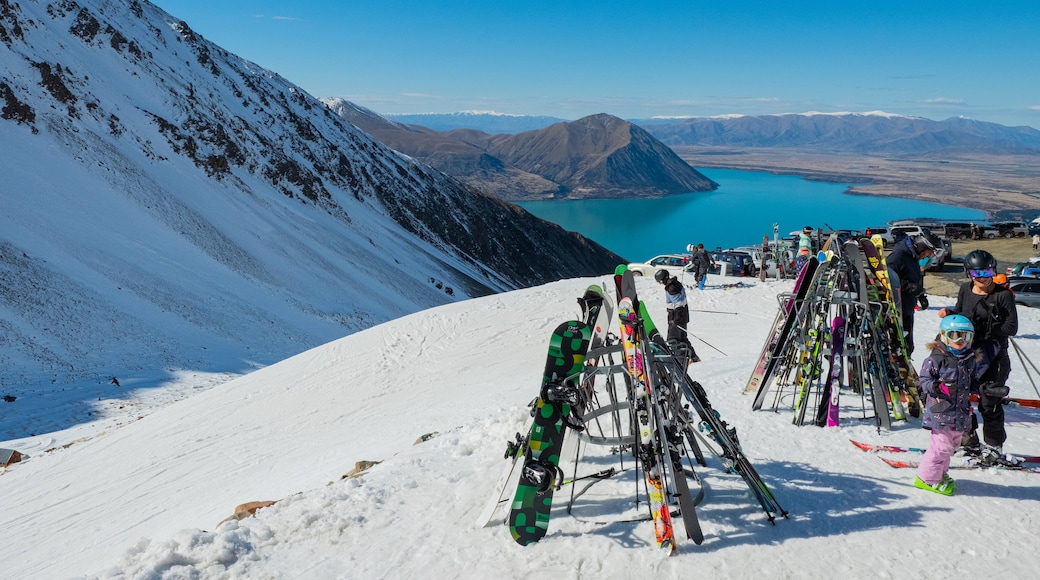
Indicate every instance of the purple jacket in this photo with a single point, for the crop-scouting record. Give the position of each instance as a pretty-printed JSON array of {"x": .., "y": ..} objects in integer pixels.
[{"x": 949, "y": 377}]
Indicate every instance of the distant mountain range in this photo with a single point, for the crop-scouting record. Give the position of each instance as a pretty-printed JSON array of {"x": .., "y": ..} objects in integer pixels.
[
  {"x": 863, "y": 133},
  {"x": 599, "y": 156},
  {"x": 486, "y": 121}
]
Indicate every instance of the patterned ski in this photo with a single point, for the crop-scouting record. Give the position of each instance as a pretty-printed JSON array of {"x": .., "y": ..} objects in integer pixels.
[
  {"x": 649, "y": 455},
  {"x": 777, "y": 339},
  {"x": 833, "y": 389},
  {"x": 971, "y": 465},
  {"x": 896, "y": 449},
  {"x": 1014, "y": 402}
]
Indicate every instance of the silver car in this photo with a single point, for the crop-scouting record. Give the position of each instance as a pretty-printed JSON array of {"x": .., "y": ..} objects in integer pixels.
[
  {"x": 1027, "y": 292},
  {"x": 674, "y": 263}
]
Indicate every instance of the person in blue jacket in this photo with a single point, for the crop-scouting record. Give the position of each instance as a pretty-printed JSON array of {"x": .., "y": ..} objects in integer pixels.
[{"x": 949, "y": 376}]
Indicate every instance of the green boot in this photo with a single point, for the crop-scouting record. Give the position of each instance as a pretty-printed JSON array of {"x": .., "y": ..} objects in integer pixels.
[{"x": 945, "y": 486}]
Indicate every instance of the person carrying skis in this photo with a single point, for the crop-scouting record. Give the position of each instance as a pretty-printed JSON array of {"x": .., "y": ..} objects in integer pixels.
[
  {"x": 905, "y": 261},
  {"x": 678, "y": 315},
  {"x": 991, "y": 309},
  {"x": 948, "y": 378}
]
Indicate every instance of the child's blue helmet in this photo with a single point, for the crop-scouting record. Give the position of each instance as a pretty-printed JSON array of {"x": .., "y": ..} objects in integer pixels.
[
  {"x": 956, "y": 322},
  {"x": 956, "y": 329}
]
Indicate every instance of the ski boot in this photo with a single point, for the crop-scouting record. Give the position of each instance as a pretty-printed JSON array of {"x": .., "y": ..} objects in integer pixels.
[{"x": 945, "y": 486}]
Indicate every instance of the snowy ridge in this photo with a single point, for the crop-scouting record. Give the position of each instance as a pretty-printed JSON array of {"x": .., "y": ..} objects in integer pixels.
[
  {"x": 805, "y": 114},
  {"x": 145, "y": 499},
  {"x": 168, "y": 206}
]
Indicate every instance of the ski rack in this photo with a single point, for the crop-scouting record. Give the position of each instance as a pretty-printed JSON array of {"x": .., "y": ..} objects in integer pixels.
[
  {"x": 869, "y": 366},
  {"x": 614, "y": 408}
]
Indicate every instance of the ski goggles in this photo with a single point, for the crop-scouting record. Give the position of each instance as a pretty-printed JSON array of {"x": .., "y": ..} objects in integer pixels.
[
  {"x": 985, "y": 273},
  {"x": 958, "y": 336}
]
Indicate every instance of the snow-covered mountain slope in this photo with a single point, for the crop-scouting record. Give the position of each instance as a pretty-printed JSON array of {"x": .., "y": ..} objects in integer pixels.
[
  {"x": 168, "y": 206},
  {"x": 144, "y": 499}
]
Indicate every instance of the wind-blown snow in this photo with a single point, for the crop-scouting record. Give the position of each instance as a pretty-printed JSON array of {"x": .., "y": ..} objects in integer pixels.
[{"x": 143, "y": 499}]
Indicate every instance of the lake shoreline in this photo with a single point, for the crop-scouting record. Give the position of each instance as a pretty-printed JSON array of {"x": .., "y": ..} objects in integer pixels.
[
  {"x": 739, "y": 213},
  {"x": 1002, "y": 186}
]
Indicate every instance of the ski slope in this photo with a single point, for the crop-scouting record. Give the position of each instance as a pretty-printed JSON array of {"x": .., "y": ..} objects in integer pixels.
[{"x": 139, "y": 492}]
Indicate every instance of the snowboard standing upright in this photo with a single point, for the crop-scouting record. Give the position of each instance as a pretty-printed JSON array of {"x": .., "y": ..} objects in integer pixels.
[{"x": 529, "y": 516}]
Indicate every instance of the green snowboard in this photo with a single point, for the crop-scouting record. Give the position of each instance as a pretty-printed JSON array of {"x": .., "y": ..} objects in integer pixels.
[{"x": 529, "y": 517}]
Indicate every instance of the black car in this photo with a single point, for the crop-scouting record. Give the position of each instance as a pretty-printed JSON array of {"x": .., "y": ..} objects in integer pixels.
[
  {"x": 740, "y": 263},
  {"x": 1010, "y": 229},
  {"x": 958, "y": 230}
]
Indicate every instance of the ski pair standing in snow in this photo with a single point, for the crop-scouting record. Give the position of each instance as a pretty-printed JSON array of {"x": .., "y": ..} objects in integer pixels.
[
  {"x": 948, "y": 378},
  {"x": 678, "y": 315}
]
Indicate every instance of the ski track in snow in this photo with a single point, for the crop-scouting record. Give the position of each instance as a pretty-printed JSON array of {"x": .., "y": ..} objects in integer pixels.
[{"x": 144, "y": 500}]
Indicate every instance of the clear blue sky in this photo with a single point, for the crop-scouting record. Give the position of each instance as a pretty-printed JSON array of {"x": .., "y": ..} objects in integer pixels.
[{"x": 644, "y": 58}]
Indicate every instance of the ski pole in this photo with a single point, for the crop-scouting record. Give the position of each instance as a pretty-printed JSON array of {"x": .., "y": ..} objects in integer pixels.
[
  {"x": 1023, "y": 358},
  {"x": 688, "y": 333},
  {"x": 712, "y": 311}
]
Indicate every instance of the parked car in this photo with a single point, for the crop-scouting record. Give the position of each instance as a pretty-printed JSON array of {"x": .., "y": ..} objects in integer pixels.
[
  {"x": 787, "y": 256},
  {"x": 1027, "y": 292},
  {"x": 939, "y": 259},
  {"x": 885, "y": 233},
  {"x": 900, "y": 232},
  {"x": 674, "y": 263},
  {"x": 1008, "y": 230},
  {"x": 1017, "y": 269},
  {"x": 740, "y": 263},
  {"x": 958, "y": 230}
]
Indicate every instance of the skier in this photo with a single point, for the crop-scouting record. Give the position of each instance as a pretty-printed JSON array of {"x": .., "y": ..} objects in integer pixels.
[
  {"x": 804, "y": 248},
  {"x": 702, "y": 262},
  {"x": 948, "y": 378},
  {"x": 765, "y": 254},
  {"x": 678, "y": 315},
  {"x": 991, "y": 309},
  {"x": 904, "y": 260}
]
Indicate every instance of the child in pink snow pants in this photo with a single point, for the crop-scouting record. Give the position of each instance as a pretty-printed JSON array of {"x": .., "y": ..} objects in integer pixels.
[{"x": 948, "y": 378}]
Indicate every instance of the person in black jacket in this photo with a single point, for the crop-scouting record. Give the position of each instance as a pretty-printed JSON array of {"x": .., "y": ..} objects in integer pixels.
[
  {"x": 991, "y": 308},
  {"x": 905, "y": 261}
]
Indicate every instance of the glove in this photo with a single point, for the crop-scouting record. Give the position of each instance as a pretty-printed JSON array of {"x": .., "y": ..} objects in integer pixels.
[
  {"x": 994, "y": 389},
  {"x": 923, "y": 301},
  {"x": 940, "y": 405}
]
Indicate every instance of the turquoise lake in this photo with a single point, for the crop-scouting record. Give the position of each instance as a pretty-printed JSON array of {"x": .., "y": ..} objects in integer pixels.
[{"x": 741, "y": 211}]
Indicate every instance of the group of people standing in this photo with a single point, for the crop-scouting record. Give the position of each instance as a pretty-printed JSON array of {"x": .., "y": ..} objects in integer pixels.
[{"x": 969, "y": 356}]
